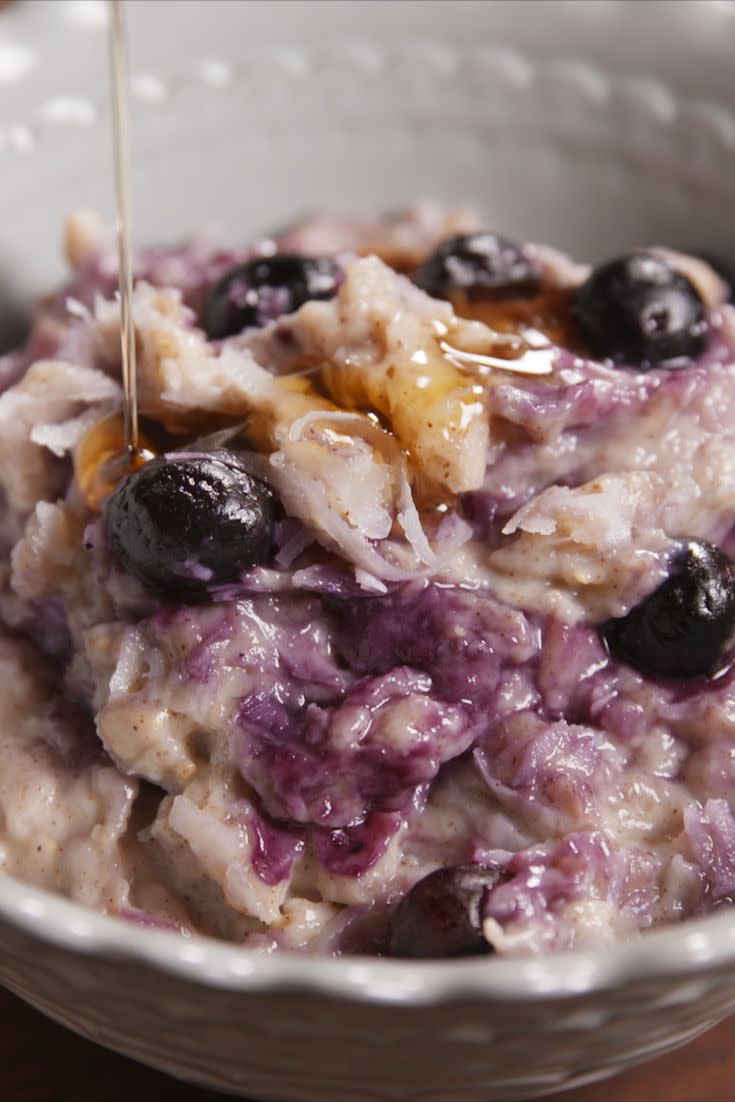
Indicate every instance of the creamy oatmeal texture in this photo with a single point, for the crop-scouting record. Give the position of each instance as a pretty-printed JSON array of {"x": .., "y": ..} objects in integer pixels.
[{"x": 416, "y": 676}]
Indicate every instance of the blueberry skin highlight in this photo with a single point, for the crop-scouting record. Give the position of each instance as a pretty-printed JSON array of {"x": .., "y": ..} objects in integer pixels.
[
  {"x": 186, "y": 522},
  {"x": 441, "y": 916},
  {"x": 685, "y": 627},
  {"x": 480, "y": 265},
  {"x": 640, "y": 312},
  {"x": 257, "y": 292}
]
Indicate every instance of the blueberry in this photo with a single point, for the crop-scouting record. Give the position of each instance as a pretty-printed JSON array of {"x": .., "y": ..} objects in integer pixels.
[
  {"x": 684, "y": 628},
  {"x": 441, "y": 916},
  {"x": 259, "y": 291},
  {"x": 638, "y": 311},
  {"x": 185, "y": 522},
  {"x": 481, "y": 265}
]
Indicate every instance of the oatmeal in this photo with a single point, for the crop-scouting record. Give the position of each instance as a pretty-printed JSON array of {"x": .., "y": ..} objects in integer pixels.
[{"x": 411, "y": 632}]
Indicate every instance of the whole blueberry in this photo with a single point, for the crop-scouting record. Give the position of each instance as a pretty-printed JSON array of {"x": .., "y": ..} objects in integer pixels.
[
  {"x": 640, "y": 312},
  {"x": 685, "y": 627},
  {"x": 185, "y": 522},
  {"x": 259, "y": 291},
  {"x": 441, "y": 916},
  {"x": 479, "y": 265}
]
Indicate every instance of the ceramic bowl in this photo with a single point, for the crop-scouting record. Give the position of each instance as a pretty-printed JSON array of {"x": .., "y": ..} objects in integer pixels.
[{"x": 593, "y": 126}]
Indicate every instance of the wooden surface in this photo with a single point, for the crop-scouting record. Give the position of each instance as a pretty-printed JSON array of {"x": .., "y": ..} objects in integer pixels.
[{"x": 43, "y": 1063}]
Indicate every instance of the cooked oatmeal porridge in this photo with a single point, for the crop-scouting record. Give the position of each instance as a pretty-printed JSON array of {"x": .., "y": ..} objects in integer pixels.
[{"x": 411, "y": 630}]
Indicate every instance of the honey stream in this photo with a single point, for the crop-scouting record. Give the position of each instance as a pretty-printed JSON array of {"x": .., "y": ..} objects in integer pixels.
[{"x": 115, "y": 446}]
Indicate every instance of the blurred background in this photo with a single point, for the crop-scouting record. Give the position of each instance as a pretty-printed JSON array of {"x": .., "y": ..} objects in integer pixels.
[{"x": 593, "y": 124}]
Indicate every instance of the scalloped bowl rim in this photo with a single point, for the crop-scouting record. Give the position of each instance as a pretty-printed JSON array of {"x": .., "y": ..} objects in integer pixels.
[
  {"x": 670, "y": 951},
  {"x": 673, "y": 950}
]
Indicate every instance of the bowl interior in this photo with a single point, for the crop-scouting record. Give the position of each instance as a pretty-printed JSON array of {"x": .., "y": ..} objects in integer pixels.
[{"x": 574, "y": 123}]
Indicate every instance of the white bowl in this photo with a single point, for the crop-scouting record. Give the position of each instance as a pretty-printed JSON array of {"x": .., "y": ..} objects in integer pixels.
[
  {"x": 594, "y": 126},
  {"x": 361, "y": 1030}
]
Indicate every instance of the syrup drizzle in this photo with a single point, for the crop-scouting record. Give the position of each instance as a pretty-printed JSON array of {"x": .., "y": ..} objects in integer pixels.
[{"x": 118, "y": 63}]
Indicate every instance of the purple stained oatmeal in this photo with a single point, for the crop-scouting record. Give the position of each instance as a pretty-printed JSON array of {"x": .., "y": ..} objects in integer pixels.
[{"x": 422, "y": 673}]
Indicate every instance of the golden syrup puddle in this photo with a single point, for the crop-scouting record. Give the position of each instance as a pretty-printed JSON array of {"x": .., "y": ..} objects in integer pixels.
[
  {"x": 534, "y": 361},
  {"x": 548, "y": 312},
  {"x": 102, "y": 459},
  {"x": 448, "y": 373}
]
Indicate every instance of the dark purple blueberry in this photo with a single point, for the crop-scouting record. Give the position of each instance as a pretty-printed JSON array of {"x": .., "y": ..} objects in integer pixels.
[
  {"x": 640, "y": 312},
  {"x": 441, "y": 916},
  {"x": 186, "y": 522},
  {"x": 259, "y": 291},
  {"x": 480, "y": 265},
  {"x": 685, "y": 627}
]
